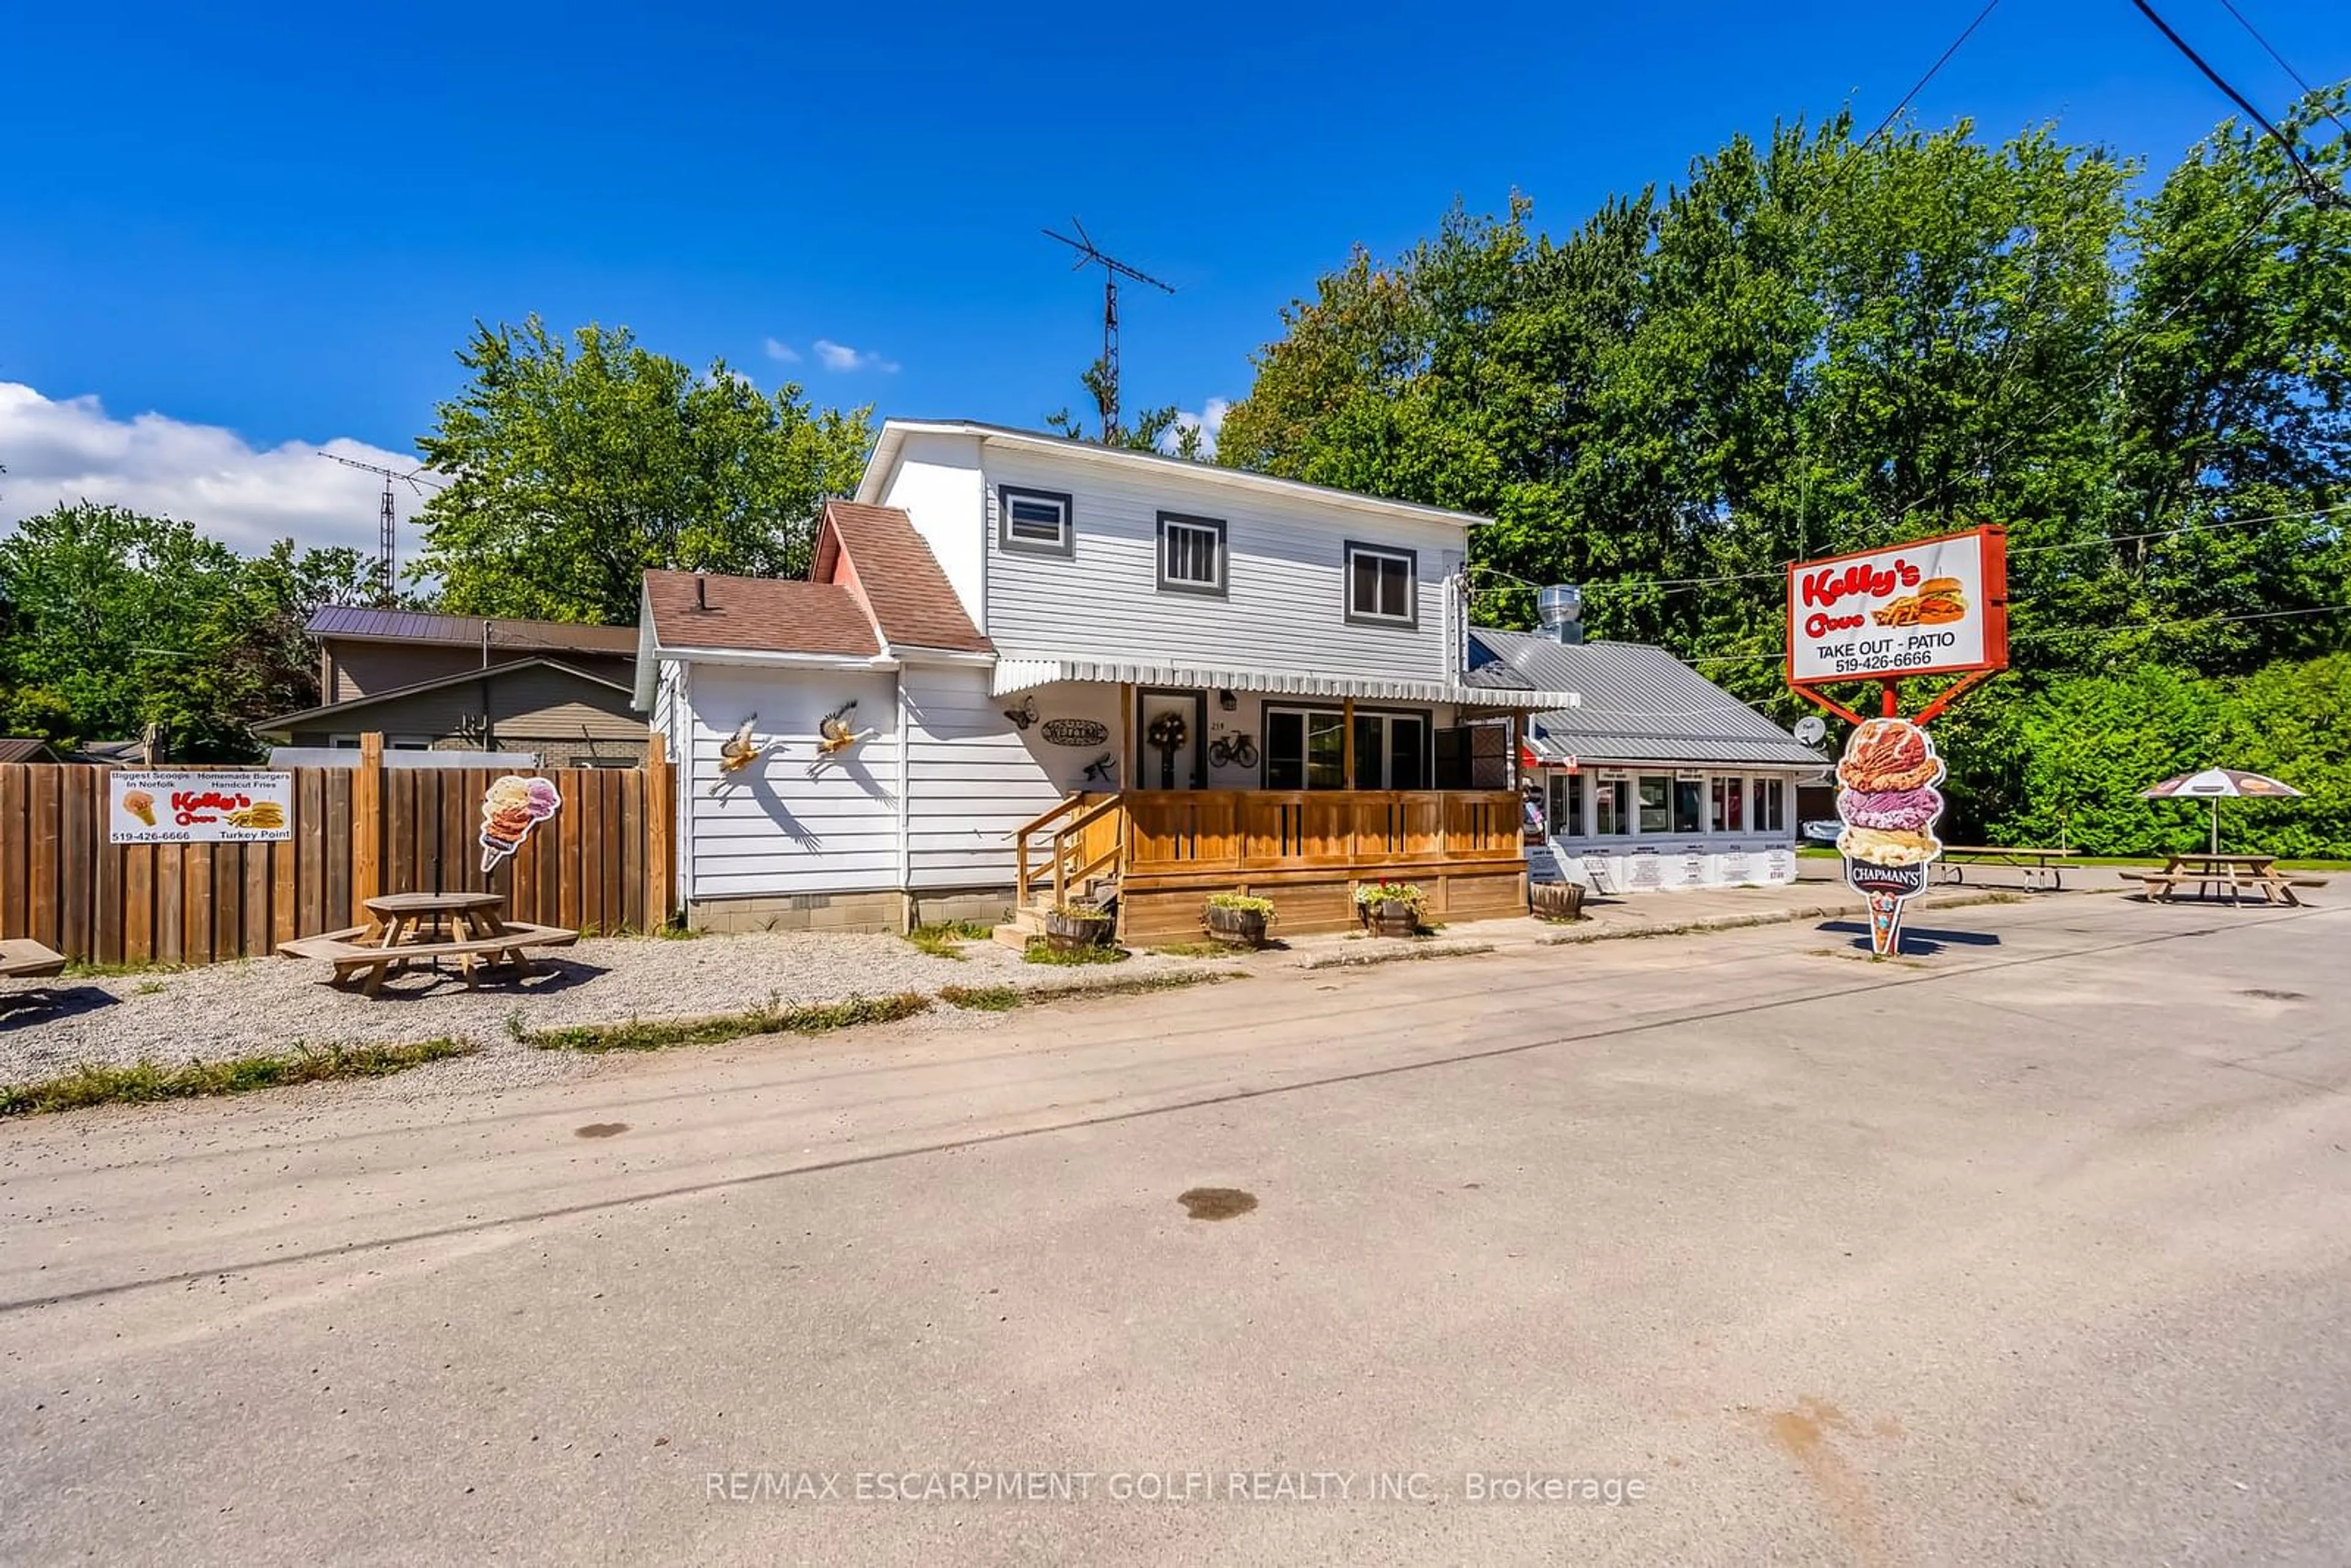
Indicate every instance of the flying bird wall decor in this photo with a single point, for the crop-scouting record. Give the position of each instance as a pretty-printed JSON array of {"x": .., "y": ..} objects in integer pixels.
[{"x": 835, "y": 736}]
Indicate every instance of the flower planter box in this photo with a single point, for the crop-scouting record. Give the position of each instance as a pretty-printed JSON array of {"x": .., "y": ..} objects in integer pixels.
[
  {"x": 1235, "y": 928},
  {"x": 1556, "y": 900},
  {"x": 1391, "y": 918},
  {"x": 1066, "y": 932}
]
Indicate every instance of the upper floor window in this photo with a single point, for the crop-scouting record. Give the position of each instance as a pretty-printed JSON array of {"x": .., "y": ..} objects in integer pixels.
[
  {"x": 1191, "y": 554},
  {"x": 1034, "y": 521},
  {"x": 1380, "y": 585}
]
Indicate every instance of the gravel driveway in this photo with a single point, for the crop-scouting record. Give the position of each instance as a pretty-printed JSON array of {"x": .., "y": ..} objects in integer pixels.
[{"x": 276, "y": 1004}]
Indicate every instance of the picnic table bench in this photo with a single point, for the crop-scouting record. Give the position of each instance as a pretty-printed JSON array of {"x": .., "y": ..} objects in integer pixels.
[
  {"x": 408, "y": 928},
  {"x": 24, "y": 959},
  {"x": 2034, "y": 862},
  {"x": 2236, "y": 875}
]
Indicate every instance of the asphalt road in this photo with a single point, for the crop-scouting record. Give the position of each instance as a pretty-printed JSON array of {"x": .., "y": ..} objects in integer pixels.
[{"x": 2030, "y": 1250}]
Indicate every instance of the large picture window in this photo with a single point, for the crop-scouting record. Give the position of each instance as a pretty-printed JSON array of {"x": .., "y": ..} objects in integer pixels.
[
  {"x": 1657, "y": 803},
  {"x": 1771, "y": 806},
  {"x": 1191, "y": 555},
  {"x": 1305, "y": 748},
  {"x": 1610, "y": 817},
  {"x": 1034, "y": 521},
  {"x": 1729, "y": 804},
  {"x": 1380, "y": 582}
]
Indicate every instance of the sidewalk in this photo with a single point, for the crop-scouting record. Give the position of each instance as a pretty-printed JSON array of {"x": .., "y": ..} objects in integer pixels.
[{"x": 1660, "y": 913}]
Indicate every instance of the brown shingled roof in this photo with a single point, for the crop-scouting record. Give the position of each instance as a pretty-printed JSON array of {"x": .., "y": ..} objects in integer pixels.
[
  {"x": 757, "y": 614},
  {"x": 901, "y": 579}
]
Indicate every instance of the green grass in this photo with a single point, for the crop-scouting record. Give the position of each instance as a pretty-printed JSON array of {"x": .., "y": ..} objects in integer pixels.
[
  {"x": 90, "y": 969},
  {"x": 1200, "y": 950},
  {"x": 981, "y": 999},
  {"x": 1390, "y": 952},
  {"x": 940, "y": 940},
  {"x": 90, "y": 1084},
  {"x": 1040, "y": 951},
  {"x": 1003, "y": 998},
  {"x": 656, "y": 1034}
]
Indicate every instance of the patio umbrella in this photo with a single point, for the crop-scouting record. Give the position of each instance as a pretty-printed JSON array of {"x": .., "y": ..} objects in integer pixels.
[{"x": 2216, "y": 784}]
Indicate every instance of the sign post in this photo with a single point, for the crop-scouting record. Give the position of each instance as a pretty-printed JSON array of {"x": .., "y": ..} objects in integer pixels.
[{"x": 1935, "y": 606}]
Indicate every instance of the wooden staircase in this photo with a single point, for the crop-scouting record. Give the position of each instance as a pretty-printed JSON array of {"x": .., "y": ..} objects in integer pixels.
[{"x": 1070, "y": 854}]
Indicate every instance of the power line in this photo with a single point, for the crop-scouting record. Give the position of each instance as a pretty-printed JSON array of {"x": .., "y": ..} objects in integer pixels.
[
  {"x": 1921, "y": 85},
  {"x": 1780, "y": 572},
  {"x": 2319, "y": 192},
  {"x": 2034, "y": 634},
  {"x": 2284, "y": 64}
]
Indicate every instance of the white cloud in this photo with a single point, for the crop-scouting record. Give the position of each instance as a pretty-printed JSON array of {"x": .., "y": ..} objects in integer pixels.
[
  {"x": 842, "y": 356},
  {"x": 1209, "y": 422},
  {"x": 779, "y": 350},
  {"x": 72, "y": 449}
]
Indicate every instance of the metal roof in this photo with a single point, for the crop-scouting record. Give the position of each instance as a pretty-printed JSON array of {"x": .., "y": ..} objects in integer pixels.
[
  {"x": 1640, "y": 704},
  {"x": 369, "y": 623},
  {"x": 1019, "y": 674},
  {"x": 25, "y": 749},
  {"x": 498, "y": 672}
]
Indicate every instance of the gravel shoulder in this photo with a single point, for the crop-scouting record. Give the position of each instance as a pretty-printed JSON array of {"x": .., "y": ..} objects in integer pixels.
[{"x": 276, "y": 1004}]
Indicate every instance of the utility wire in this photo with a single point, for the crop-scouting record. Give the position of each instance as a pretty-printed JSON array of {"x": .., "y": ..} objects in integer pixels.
[
  {"x": 2319, "y": 191},
  {"x": 2034, "y": 634},
  {"x": 1628, "y": 584},
  {"x": 1921, "y": 85},
  {"x": 2284, "y": 64}
]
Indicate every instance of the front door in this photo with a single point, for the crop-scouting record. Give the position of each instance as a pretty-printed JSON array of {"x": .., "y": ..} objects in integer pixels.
[{"x": 1171, "y": 743}]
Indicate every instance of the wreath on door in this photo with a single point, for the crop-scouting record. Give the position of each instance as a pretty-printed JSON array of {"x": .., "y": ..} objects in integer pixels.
[{"x": 1168, "y": 732}]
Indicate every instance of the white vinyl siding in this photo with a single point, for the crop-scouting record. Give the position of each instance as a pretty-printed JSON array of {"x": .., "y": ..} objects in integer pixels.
[
  {"x": 1284, "y": 602},
  {"x": 769, "y": 829},
  {"x": 974, "y": 776}
]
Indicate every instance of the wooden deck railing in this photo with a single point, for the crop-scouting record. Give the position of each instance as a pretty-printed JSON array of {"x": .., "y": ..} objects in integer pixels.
[
  {"x": 1079, "y": 838},
  {"x": 1179, "y": 831}
]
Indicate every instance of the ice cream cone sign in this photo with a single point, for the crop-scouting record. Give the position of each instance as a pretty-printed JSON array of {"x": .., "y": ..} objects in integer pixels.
[
  {"x": 511, "y": 807},
  {"x": 1888, "y": 801}
]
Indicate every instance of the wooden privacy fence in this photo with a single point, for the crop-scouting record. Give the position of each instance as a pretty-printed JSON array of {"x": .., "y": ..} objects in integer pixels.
[{"x": 602, "y": 863}]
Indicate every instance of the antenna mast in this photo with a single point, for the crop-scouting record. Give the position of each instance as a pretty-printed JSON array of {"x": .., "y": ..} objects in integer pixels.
[
  {"x": 387, "y": 519},
  {"x": 1089, "y": 255}
]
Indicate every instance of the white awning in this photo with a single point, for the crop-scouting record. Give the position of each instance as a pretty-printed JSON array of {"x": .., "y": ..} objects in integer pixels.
[{"x": 1020, "y": 675}]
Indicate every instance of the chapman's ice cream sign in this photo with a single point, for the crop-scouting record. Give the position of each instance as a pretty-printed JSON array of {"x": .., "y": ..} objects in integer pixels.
[
  {"x": 1888, "y": 802},
  {"x": 1933, "y": 605}
]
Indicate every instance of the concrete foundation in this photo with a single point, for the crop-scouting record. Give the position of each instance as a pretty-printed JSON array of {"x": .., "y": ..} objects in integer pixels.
[{"x": 889, "y": 912}]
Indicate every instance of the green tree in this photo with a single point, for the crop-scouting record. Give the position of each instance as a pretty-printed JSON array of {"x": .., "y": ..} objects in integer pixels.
[
  {"x": 574, "y": 467},
  {"x": 1146, "y": 435},
  {"x": 119, "y": 620}
]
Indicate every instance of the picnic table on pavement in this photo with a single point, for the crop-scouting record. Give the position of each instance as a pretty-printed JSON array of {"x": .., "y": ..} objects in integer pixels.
[
  {"x": 2042, "y": 863},
  {"x": 404, "y": 927},
  {"x": 2236, "y": 873}
]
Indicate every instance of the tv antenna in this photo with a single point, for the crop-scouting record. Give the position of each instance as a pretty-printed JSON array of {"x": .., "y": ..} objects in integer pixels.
[
  {"x": 1090, "y": 255},
  {"x": 387, "y": 519}
]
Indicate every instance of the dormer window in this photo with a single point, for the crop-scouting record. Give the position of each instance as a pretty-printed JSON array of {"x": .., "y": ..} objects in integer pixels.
[
  {"x": 1380, "y": 586},
  {"x": 1036, "y": 522},
  {"x": 1191, "y": 555}
]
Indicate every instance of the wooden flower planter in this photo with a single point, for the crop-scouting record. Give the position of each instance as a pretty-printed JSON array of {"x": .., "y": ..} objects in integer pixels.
[
  {"x": 1068, "y": 931},
  {"x": 1556, "y": 900},
  {"x": 1390, "y": 917},
  {"x": 1236, "y": 927}
]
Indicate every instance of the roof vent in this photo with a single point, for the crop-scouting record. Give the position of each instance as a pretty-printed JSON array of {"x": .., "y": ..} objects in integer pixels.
[
  {"x": 1560, "y": 608},
  {"x": 701, "y": 591}
]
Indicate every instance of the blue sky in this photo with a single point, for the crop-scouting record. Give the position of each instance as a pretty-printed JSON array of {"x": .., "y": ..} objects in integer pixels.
[{"x": 275, "y": 225}]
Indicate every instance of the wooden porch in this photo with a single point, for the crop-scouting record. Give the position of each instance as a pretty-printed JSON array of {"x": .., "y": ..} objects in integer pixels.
[{"x": 1164, "y": 850}]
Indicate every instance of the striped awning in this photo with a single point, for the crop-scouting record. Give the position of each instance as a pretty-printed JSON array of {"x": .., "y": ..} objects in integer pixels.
[{"x": 1021, "y": 674}]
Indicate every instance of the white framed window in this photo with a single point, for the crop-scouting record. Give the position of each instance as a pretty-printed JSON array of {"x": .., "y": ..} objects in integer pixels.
[
  {"x": 1037, "y": 522},
  {"x": 1771, "y": 806},
  {"x": 1381, "y": 583},
  {"x": 1191, "y": 555}
]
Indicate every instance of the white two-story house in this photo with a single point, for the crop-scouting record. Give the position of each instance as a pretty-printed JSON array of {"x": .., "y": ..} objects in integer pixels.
[{"x": 1078, "y": 667}]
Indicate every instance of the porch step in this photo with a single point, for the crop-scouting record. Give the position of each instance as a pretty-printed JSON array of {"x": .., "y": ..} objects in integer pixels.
[{"x": 1028, "y": 919}]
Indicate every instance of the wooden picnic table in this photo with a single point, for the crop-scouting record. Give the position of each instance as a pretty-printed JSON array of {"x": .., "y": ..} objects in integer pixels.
[
  {"x": 2236, "y": 873},
  {"x": 2045, "y": 862},
  {"x": 404, "y": 927},
  {"x": 21, "y": 958}
]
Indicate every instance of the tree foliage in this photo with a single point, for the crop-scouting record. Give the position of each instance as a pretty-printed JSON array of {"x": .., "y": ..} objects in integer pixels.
[
  {"x": 575, "y": 466},
  {"x": 1811, "y": 346},
  {"x": 118, "y": 621}
]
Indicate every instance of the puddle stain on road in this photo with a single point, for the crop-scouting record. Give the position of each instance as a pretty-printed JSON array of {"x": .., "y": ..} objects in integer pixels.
[
  {"x": 1802, "y": 1434},
  {"x": 2277, "y": 996},
  {"x": 600, "y": 1130},
  {"x": 1215, "y": 1202}
]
